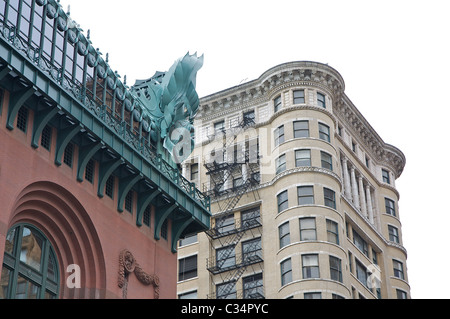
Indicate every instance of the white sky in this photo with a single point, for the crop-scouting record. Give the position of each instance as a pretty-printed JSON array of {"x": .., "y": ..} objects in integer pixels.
[{"x": 393, "y": 55}]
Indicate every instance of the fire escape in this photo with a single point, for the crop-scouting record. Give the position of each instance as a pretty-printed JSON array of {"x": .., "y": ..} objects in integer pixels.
[{"x": 227, "y": 231}]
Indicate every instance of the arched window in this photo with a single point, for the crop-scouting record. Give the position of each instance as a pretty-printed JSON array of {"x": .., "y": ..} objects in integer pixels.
[{"x": 30, "y": 269}]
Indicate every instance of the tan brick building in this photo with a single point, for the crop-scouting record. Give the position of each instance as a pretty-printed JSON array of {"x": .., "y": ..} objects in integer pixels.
[{"x": 303, "y": 194}]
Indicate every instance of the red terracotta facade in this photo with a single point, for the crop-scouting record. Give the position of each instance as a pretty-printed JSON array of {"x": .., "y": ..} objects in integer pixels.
[{"x": 83, "y": 228}]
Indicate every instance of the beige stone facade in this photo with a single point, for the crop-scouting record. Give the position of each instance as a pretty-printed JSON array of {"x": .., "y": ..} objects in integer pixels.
[{"x": 314, "y": 215}]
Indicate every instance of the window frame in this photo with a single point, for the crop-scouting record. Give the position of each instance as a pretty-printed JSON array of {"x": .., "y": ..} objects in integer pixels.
[
  {"x": 284, "y": 202},
  {"x": 301, "y": 132},
  {"x": 17, "y": 268}
]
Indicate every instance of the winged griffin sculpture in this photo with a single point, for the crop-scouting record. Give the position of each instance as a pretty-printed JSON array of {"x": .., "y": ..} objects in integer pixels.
[{"x": 171, "y": 102}]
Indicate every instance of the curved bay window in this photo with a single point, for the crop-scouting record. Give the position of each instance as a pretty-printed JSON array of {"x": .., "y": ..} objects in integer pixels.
[{"x": 30, "y": 269}]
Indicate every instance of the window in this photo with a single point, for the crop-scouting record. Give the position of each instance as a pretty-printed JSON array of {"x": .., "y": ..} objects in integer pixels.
[
  {"x": 188, "y": 295},
  {"x": 393, "y": 234},
  {"x": 226, "y": 257},
  {"x": 284, "y": 235},
  {"x": 188, "y": 240},
  {"x": 250, "y": 218},
  {"x": 194, "y": 172},
  {"x": 360, "y": 243},
  {"x": 308, "y": 228},
  {"x": 329, "y": 198},
  {"x": 301, "y": 129},
  {"x": 22, "y": 119},
  {"x": 321, "y": 100},
  {"x": 398, "y": 269},
  {"x": 335, "y": 269},
  {"x": 279, "y": 135},
  {"x": 277, "y": 104},
  {"x": 401, "y": 294},
  {"x": 147, "y": 218},
  {"x": 332, "y": 232},
  {"x": 46, "y": 138},
  {"x": 238, "y": 182},
  {"x": 310, "y": 266},
  {"x": 361, "y": 273},
  {"x": 374, "y": 257},
  {"x": 187, "y": 268},
  {"x": 109, "y": 187},
  {"x": 252, "y": 250},
  {"x": 165, "y": 229},
  {"x": 386, "y": 178},
  {"x": 225, "y": 224},
  {"x": 219, "y": 127},
  {"x": 324, "y": 132},
  {"x": 249, "y": 118},
  {"x": 390, "y": 206},
  {"x": 68, "y": 155},
  {"x": 89, "y": 172},
  {"x": 253, "y": 286},
  {"x": 312, "y": 295},
  {"x": 299, "y": 97},
  {"x": 282, "y": 200},
  {"x": 327, "y": 160},
  {"x": 129, "y": 201},
  {"x": 226, "y": 290},
  {"x": 286, "y": 272},
  {"x": 302, "y": 158},
  {"x": 29, "y": 256},
  {"x": 280, "y": 164},
  {"x": 305, "y": 195},
  {"x": 354, "y": 147}
]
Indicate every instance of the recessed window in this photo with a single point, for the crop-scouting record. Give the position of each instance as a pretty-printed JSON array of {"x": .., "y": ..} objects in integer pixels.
[
  {"x": 310, "y": 266},
  {"x": 219, "y": 127},
  {"x": 280, "y": 164},
  {"x": 308, "y": 228},
  {"x": 109, "y": 187},
  {"x": 46, "y": 138},
  {"x": 165, "y": 229},
  {"x": 398, "y": 269},
  {"x": 393, "y": 234},
  {"x": 284, "y": 235},
  {"x": 68, "y": 154},
  {"x": 249, "y": 118},
  {"x": 279, "y": 135},
  {"x": 360, "y": 243},
  {"x": 30, "y": 268},
  {"x": 335, "y": 269},
  {"x": 302, "y": 158},
  {"x": 22, "y": 119},
  {"x": 301, "y": 129},
  {"x": 312, "y": 295},
  {"x": 321, "y": 100},
  {"x": 129, "y": 202},
  {"x": 324, "y": 132},
  {"x": 226, "y": 257},
  {"x": 332, "y": 232},
  {"x": 194, "y": 172},
  {"x": 386, "y": 178},
  {"x": 282, "y": 200},
  {"x": 277, "y": 104},
  {"x": 390, "y": 207},
  {"x": 299, "y": 97},
  {"x": 187, "y": 268},
  {"x": 89, "y": 172},
  {"x": 305, "y": 195},
  {"x": 286, "y": 272},
  {"x": 329, "y": 198},
  {"x": 147, "y": 216},
  {"x": 326, "y": 160}
]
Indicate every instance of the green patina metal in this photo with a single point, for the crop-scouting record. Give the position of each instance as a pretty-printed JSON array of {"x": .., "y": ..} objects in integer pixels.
[
  {"x": 138, "y": 134},
  {"x": 171, "y": 102}
]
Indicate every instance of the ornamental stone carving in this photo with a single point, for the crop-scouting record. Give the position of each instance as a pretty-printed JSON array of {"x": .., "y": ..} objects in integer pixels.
[{"x": 128, "y": 265}]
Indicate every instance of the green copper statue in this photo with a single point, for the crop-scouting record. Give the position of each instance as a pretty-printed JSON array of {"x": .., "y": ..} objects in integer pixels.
[{"x": 171, "y": 102}]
